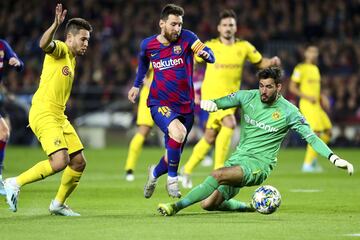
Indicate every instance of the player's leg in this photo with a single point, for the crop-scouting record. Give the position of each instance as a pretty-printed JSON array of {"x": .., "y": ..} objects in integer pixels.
[
  {"x": 135, "y": 148},
  {"x": 223, "y": 140},
  {"x": 216, "y": 202},
  {"x": 311, "y": 113},
  {"x": 4, "y": 136},
  {"x": 69, "y": 181},
  {"x": 199, "y": 152},
  {"x": 177, "y": 133},
  {"x": 224, "y": 176},
  {"x": 72, "y": 173}
]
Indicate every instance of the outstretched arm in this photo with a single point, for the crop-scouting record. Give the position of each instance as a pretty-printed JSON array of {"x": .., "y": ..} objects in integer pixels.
[
  {"x": 46, "y": 40},
  {"x": 268, "y": 62},
  {"x": 300, "y": 126}
]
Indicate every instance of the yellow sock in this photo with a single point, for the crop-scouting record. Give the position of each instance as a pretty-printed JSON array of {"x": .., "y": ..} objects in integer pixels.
[
  {"x": 222, "y": 145},
  {"x": 135, "y": 148},
  {"x": 325, "y": 137},
  {"x": 310, "y": 155},
  {"x": 69, "y": 181},
  {"x": 38, "y": 172},
  {"x": 198, "y": 154}
]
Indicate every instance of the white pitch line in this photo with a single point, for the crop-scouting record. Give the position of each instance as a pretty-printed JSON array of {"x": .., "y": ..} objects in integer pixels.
[
  {"x": 305, "y": 190},
  {"x": 352, "y": 235}
]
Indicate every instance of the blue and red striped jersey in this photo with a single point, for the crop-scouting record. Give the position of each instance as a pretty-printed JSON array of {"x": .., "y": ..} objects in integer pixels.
[
  {"x": 172, "y": 85},
  {"x": 6, "y": 53}
]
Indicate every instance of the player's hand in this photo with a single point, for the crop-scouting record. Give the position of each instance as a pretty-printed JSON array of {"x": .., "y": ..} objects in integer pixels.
[
  {"x": 275, "y": 61},
  {"x": 203, "y": 54},
  {"x": 208, "y": 105},
  {"x": 133, "y": 93},
  {"x": 59, "y": 14},
  {"x": 341, "y": 163},
  {"x": 13, "y": 61}
]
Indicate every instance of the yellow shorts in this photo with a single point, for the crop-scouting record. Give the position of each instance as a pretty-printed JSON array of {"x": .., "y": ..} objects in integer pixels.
[
  {"x": 315, "y": 116},
  {"x": 54, "y": 131},
  {"x": 144, "y": 114},
  {"x": 214, "y": 120}
]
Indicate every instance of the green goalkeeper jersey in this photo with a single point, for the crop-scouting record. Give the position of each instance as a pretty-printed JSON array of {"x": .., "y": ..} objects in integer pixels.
[{"x": 264, "y": 126}]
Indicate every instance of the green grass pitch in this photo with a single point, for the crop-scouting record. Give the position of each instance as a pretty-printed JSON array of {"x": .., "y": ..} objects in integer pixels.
[{"x": 314, "y": 206}]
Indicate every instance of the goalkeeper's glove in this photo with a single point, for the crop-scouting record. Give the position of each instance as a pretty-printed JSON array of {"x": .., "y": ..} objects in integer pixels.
[
  {"x": 341, "y": 163},
  {"x": 208, "y": 105}
]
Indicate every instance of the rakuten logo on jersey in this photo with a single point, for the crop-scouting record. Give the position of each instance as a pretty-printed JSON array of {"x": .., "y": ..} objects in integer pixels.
[
  {"x": 258, "y": 124},
  {"x": 166, "y": 64}
]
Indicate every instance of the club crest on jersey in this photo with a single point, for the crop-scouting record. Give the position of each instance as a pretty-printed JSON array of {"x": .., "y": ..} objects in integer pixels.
[
  {"x": 165, "y": 111},
  {"x": 275, "y": 116},
  {"x": 232, "y": 95},
  {"x": 57, "y": 142},
  {"x": 177, "y": 49},
  {"x": 66, "y": 71}
]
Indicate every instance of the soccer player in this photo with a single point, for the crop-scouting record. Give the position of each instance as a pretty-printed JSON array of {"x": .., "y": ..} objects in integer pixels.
[
  {"x": 306, "y": 84},
  {"x": 7, "y": 55},
  {"x": 145, "y": 124},
  {"x": 266, "y": 118},
  {"x": 222, "y": 78},
  {"x": 171, "y": 98},
  {"x": 47, "y": 119}
]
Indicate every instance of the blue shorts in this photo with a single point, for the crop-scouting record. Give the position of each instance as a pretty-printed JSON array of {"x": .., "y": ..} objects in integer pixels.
[{"x": 163, "y": 116}]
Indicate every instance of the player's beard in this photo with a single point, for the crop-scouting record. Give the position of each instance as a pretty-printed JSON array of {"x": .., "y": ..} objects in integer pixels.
[
  {"x": 171, "y": 37},
  {"x": 269, "y": 99}
]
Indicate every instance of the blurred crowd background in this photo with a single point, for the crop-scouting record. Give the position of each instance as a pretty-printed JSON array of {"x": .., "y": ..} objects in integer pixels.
[{"x": 106, "y": 73}]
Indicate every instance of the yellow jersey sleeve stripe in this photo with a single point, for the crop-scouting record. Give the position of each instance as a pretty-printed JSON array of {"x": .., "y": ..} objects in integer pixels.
[{"x": 197, "y": 46}]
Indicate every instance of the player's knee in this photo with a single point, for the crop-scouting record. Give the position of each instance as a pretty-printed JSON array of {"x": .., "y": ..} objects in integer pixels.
[
  {"x": 59, "y": 161},
  {"x": 178, "y": 135},
  {"x": 208, "y": 205},
  {"x": 4, "y": 134},
  {"x": 78, "y": 162}
]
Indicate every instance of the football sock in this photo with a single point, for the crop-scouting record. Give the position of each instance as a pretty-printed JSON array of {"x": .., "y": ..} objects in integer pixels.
[
  {"x": 135, "y": 149},
  {"x": 38, "y": 172},
  {"x": 173, "y": 155},
  {"x": 69, "y": 181},
  {"x": 161, "y": 168},
  {"x": 310, "y": 155},
  {"x": 2, "y": 155},
  {"x": 198, "y": 154},
  {"x": 222, "y": 145},
  {"x": 233, "y": 205},
  {"x": 198, "y": 193}
]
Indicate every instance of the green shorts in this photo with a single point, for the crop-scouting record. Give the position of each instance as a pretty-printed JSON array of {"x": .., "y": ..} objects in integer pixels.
[{"x": 255, "y": 172}]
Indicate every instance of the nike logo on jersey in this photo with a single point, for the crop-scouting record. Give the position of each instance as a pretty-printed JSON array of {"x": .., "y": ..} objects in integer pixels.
[{"x": 153, "y": 54}]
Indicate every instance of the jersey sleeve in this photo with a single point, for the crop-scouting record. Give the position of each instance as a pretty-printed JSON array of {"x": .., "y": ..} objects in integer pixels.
[
  {"x": 9, "y": 53},
  {"x": 298, "y": 123},
  {"x": 197, "y": 46},
  {"x": 143, "y": 67},
  {"x": 253, "y": 55},
  {"x": 60, "y": 49},
  {"x": 296, "y": 75},
  {"x": 236, "y": 99}
]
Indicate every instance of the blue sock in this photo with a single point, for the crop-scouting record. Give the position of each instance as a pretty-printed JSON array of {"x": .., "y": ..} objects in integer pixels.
[
  {"x": 173, "y": 152},
  {"x": 2, "y": 154},
  {"x": 161, "y": 168}
]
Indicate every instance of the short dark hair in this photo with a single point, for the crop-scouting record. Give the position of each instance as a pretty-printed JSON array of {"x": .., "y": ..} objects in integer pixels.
[
  {"x": 76, "y": 24},
  {"x": 227, "y": 13},
  {"x": 171, "y": 9},
  {"x": 270, "y": 72}
]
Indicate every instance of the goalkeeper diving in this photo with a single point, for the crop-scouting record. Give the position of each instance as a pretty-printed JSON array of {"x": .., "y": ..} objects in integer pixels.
[{"x": 266, "y": 118}]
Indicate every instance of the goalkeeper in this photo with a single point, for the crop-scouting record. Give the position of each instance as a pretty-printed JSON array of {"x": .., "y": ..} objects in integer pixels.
[{"x": 266, "y": 118}]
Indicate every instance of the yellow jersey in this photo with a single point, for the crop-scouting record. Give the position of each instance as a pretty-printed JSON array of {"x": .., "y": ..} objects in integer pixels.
[
  {"x": 307, "y": 75},
  {"x": 224, "y": 76},
  {"x": 56, "y": 79}
]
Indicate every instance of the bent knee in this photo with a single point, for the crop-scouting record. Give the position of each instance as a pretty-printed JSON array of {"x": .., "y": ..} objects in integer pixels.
[
  {"x": 178, "y": 135},
  {"x": 4, "y": 134},
  {"x": 207, "y": 205}
]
